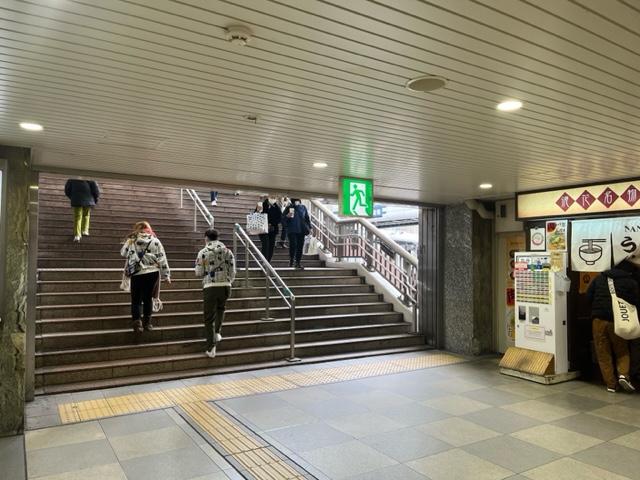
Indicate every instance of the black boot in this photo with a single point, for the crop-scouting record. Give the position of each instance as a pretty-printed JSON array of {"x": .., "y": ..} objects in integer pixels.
[
  {"x": 298, "y": 266},
  {"x": 146, "y": 322},
  {"x": 291, "y": 263},
  {"x": 137, "y": 326}
]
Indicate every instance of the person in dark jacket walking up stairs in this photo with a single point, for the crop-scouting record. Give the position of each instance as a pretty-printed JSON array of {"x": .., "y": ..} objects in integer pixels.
[
  {"x": 84, "y": 195},
  {"x": 604, "y": 338},
  {"x": 215, "y": 264}
]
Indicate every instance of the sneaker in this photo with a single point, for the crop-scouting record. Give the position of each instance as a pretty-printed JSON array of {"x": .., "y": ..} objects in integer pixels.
[
  {"x": 85, "y": 233},
  {"x": 214, "y": 203},
  {"x": 611, "y": 389},
  {"x": 299, "y": 267},
  {"x": 218, "y": 337},
  {"x": 211, "y": 353},
  {"x": 626, "y": 384},
  {"x": 76, "y": 238}
]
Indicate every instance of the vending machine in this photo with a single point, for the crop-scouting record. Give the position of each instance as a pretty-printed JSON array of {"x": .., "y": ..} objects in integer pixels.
[{"x": 541, "y": 287}]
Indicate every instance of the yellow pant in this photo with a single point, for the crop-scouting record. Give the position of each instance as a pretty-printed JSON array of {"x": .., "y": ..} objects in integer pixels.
[
  {"x": 81, "y": 220},
  {"x": 605, "y": 340}
]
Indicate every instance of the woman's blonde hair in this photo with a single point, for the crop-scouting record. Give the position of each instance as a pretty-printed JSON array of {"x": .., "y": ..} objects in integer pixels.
[{"x": 137, "y": 228}]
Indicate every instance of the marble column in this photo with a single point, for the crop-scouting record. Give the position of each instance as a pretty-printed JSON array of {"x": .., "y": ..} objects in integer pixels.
[
  {"x": 15, "y": 220},
  {"x": 468, "y": 282}
]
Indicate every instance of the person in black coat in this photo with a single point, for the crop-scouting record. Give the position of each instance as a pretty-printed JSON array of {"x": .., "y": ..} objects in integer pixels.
[
  {"x": 604, "y": 337},
  {"x": 84, "y": 195},
  {"x": 298, "y": 225},
  {"x": 274, "y": 215}
]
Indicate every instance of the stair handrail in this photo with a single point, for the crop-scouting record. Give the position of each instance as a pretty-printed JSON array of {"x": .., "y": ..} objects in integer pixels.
[
  {"x": 198, "y": 206},
  {"x": 271, "y": 277},
  {"x": 359, "y": 238}
]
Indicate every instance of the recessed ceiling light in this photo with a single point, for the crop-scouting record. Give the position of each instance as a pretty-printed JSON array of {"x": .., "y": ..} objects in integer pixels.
[
  {"x": 509, "y": 105},
  {"x": 485, "y": 185},
  {"x": 31, "y": 126},
  {"x": 426, "y": 83},
  {"x": 320, "y": 165}
]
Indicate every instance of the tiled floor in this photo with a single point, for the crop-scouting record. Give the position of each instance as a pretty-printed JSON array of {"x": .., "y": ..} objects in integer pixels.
[{"x": 400, "y": 420}]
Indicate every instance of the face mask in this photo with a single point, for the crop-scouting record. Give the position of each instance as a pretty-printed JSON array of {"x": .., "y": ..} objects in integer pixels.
[
  {"x": 296, "y": 202},
  {"x": 272, "y": 201}
]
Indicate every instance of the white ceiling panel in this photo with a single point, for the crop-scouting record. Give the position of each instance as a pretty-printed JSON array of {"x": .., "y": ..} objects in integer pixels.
[{"x": 152, "y": 88}]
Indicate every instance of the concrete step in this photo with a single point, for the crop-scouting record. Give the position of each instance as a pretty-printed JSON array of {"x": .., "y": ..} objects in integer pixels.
[
  {"x": 123, "y": 320},
  {"x": 77, "y": 286},
  {"x": 173, "y": 294},
  {"x": 186, "y": 361},
  {"x": 195, "y": 304},
  {"x": 182, "y": 261},
  {"x": 152, "y": 343},
  {"x": 60, "y": 274}
]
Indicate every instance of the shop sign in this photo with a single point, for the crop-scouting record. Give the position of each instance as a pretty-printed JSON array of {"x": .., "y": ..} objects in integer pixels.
[{"x": 576, "y": 201}]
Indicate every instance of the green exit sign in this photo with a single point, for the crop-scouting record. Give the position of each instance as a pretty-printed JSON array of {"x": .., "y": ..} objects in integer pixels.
[{"x": 356, "y": 197}]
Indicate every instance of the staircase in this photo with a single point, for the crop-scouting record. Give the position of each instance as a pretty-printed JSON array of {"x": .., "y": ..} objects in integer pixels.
[{"x": 83, "y": 326}]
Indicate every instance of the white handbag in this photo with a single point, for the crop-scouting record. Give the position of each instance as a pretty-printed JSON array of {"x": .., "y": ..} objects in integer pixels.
[
  {"x": 257, "y": 223},
  {"x": 625, "y": 316}
]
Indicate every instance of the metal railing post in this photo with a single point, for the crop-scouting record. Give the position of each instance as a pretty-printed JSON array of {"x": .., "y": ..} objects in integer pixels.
[
  {"x": 195, "y": 217},
  {"x": 181, "y": 193},
  {"x": 246, "y": 265},
  {"x": 235, "y": 242},
  {"x": 292, "y": 354},
  {"x": 266, "y": 298}
]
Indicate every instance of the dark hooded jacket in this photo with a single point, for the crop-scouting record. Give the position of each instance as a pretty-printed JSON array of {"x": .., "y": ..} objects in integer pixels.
[
  {"x": 600, "y": 298},
  {"x": 82, "y": 193}
]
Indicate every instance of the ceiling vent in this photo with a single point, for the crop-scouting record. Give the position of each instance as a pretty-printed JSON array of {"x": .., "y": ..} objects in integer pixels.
[
  {"x": 427, "y": 83},
  {"x": 134, "y": 140}
]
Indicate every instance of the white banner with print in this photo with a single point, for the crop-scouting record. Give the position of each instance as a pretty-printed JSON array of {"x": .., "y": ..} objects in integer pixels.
[{"x": 597, "y": 245}]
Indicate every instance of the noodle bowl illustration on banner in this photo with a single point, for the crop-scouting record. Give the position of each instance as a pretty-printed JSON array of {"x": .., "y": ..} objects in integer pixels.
[{"x": 591, "y": 252}]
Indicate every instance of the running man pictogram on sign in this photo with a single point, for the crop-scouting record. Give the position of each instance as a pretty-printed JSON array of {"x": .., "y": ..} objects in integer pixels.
[{"x": 356, "y": 197}]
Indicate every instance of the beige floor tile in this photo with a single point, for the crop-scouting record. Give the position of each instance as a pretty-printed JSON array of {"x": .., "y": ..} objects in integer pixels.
[
  {"x": 526, "y": 389},
  {"x": 457, "y": 432},
  {"x": 456, "y": 385},
  {"x": 556, "y": 439},
  {"x": 63, "y": 435},
  {"x": 540, "y": 410},
  {"x": 455, "y": 404},
  {"x": 111, "y": 471},
  {"x": 618, "y": 413},
  {"x": 454, "y": 464},
  {"x": 570, "y": 469},
  {"x": 598, "y": 392},
  {"x": 631, "y": 440},
  {"x": 150, "y": 442}
]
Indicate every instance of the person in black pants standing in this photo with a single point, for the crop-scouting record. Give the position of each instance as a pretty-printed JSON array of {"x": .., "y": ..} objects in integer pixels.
[
  {"x": 274, "y": 217},
  {"x": 298, "y": 226}
]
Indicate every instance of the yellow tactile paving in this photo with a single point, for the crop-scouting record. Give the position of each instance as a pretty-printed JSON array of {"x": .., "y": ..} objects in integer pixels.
[
  {"x": 306, "y": 379},
  {"x": 125, "y": 404},
  {"x": 182, "y": 395},
  {"x": 80, "y": 411},
  {"x": 94, "y": 413},
  {"x": 68, "y": 413},
  {"x": 154, "y": 400}
]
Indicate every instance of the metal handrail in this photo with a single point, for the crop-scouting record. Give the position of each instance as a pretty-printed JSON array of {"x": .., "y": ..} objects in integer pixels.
[
  {"x": 198, "y": 206},
  {"x": 359, "y": 238},
  {"x": 272, "y": 278}
]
